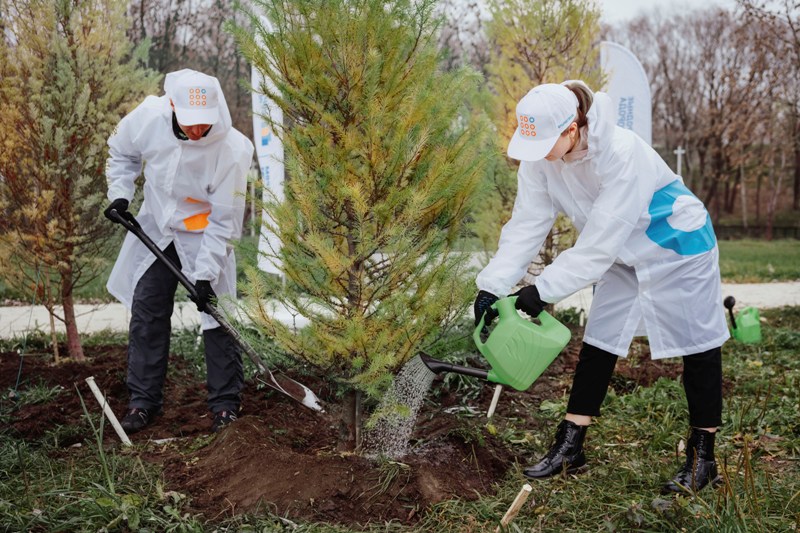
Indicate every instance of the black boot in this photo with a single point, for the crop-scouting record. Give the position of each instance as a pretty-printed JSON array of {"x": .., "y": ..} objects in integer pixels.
[
  {"x": 565, "y": 455},
  {"x": 700, "y": 468},
  {"x": 136, "y": 418}
]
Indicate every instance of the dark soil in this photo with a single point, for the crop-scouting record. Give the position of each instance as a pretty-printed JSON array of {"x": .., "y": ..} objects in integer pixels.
[{"x": 281, "y": 457}]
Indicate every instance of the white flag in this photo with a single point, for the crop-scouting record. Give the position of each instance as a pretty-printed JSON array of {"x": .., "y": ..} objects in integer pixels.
[
  {"x": 269, "y": 149},
  {"x": 628, "y": 88}
]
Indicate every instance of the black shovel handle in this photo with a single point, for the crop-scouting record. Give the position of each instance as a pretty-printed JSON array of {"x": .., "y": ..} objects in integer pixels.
[{"x": 133, "y": 226}]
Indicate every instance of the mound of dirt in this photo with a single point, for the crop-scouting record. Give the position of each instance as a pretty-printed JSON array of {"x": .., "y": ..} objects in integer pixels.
[{"x": 281, "y": 457}]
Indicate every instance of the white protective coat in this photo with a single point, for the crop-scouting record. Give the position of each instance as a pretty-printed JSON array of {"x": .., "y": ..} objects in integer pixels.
[
  {"x": 183, "y": 179},
  {"x": 645, "y": 239}
]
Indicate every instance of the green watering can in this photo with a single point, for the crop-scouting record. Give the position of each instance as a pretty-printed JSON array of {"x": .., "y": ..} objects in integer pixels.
[
  {"x": 747, "y": 327},
  {"x": 518, "y": 349}
]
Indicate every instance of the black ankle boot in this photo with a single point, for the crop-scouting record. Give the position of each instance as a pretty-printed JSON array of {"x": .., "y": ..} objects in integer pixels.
[
  {"x": 700, "y": 468},
  {"x": 565, "y": 455}
]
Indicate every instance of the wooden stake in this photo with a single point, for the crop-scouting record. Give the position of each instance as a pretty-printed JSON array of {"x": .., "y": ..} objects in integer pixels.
[
  {"x": 497, "y": 390},
  {"x": 512, "y": 512},
  {"x": 108, "y": 412}
]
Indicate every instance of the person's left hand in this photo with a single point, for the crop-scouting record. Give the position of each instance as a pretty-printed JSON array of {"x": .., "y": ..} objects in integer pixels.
[
  {"x": 205, "y": 294},
  {"x": 528, "y": 301}
]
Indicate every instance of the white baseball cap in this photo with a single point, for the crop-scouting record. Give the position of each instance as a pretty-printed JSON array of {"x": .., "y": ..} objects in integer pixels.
[
  {"x": 195, "y": 97},
  {"x": 542, "y": 115}
]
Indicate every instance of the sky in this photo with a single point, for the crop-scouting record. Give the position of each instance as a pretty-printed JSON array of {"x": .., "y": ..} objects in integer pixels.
[{"x": 615, "y": 11}]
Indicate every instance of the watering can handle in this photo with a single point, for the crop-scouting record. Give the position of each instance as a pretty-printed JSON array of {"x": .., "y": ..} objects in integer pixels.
[{"x": 476, "y": 335}]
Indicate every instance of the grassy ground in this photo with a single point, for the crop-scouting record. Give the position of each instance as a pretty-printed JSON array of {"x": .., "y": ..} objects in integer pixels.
[
  {"x": 631, "y": 451},
  {"x": 752, "y": 261}
]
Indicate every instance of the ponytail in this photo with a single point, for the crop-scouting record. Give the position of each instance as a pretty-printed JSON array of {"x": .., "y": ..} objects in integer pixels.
[{"x": 585, "y": 98}]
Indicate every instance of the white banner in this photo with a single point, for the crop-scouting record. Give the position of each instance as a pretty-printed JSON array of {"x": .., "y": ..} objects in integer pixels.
[
  {"x": 629, "y": 88},
  {"x": 269, "y": 150}
]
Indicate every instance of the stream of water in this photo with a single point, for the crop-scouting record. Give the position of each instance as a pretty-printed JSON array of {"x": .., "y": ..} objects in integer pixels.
[{"x": 397, "y": 413}]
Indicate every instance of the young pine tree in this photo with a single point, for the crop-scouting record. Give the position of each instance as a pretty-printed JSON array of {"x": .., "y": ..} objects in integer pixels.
[
  {"x": 381, "y": 170},
  {"x": 69, "y": 74}
]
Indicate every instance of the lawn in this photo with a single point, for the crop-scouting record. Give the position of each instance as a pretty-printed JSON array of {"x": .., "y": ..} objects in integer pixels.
[{"x": 753, "y": 261}]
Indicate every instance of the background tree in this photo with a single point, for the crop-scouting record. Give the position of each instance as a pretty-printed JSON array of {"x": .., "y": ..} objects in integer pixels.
[
  {"x": 462, "y": 35},
  {"x": 781, "y": 20},
  {"x": 382, "y": 173},
  {"x": 718, "y": 84},
  {"x": 532, "y": 42},
  {"x": 69, "y": 75},
  {"x": 189, "y": 34}
]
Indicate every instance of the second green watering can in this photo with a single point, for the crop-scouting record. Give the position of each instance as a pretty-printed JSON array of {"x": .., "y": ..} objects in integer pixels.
[{"x": 517, "y": 349}]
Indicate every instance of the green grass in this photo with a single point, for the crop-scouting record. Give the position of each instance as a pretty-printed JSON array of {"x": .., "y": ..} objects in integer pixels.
[
  {"x": 753, "y": 261},
  {"x": 44, "y": 491}
]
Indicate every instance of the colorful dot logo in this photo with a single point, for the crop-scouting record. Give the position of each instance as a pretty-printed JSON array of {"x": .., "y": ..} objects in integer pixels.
[
  {"x": 527, "y": 128},
  {"x": 197, "y": 96}
]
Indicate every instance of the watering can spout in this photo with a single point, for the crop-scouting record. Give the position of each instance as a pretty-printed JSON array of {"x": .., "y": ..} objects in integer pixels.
[{"x": 436, "y": 366}]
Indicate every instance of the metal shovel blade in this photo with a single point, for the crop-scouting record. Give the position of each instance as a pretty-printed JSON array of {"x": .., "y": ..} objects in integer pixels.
[{"x": 293, "y": 389}]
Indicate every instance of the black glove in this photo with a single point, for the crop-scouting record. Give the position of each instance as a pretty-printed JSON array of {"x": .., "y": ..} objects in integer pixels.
[
  {"x": 204, "y": 294},
  {"x": 483, "y": 304},
  {"x": 120, "y": 205},
  {"x": 528, "y": 301}
]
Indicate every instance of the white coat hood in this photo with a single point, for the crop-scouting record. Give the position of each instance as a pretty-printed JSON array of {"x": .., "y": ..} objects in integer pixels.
[{"x": 601, "y": 125}]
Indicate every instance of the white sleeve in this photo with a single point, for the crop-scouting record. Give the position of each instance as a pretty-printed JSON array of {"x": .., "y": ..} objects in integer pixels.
[
  {"x": 522, "y": 236},
  {"x": 124, "y": 163},
  {"x": 227, "y": 201},
  {"x": 627, "y": 184}
]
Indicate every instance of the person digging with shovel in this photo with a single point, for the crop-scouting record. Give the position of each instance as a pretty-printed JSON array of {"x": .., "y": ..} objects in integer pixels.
[
  {"x": 194, "y": 201},
  {"x": 645, "y": 240}
]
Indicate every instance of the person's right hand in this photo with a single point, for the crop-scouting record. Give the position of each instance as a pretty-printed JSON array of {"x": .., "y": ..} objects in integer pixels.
[
  {"x": 205, "y": 295},
  {"x": 120, "y": 205},
  {"x": 483, "y": 304}
]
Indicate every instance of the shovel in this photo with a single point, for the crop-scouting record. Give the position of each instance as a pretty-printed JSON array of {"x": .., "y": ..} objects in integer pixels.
[{"x": 280, "y": 383}]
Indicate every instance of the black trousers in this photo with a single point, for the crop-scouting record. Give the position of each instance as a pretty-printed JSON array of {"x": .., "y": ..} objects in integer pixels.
[
  {"x": 148, "y": 345},
  {"x": 702, "y": 382}
]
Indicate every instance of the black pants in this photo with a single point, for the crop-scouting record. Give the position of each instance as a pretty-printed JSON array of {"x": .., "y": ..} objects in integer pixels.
[
  {"x": 702, "y": 381},
  {"x": 148, "y": 345}
]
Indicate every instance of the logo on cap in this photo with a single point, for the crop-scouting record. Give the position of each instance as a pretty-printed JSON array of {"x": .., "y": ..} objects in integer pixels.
[
  {"x": 565, "y": 121},
  {"x": 197, "y": 96},
  {"x": 527, "y": 128}
]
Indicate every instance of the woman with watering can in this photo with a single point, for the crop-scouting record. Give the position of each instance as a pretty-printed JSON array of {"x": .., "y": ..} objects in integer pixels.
[{"x": 646, "y": 242}]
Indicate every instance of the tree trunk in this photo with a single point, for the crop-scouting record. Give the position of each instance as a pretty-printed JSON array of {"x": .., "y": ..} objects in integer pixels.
[
  {"x": 350, "y": 422},
  {"x": 759, "y": 179},
  {"x": 712, "y": 198},
  {"x": 772, "y": 204},
  {"x": 744, "y": 196},
  {"x": 53, "y": 335},
  {"x": 796, "y": 198},
  {"x": 74, "y": 347}
]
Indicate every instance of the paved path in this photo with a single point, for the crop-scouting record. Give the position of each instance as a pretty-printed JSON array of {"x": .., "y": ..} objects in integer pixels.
[
  {"x": 14, "y": 321},
  {"x": 760, "y": 295}
]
